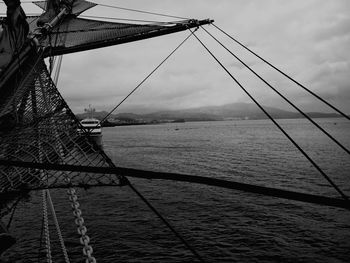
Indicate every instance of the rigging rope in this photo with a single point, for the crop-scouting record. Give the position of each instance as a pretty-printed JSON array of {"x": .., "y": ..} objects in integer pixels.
[
  {"x": 160, "y": 64},
  {"x": 194, "y": 252},
  {"x": 58, "y": 229},
  {"x": 284, "y": 74},
  {"x": 58, "y": 69},
  {"x": 141, "y": 11},
  {"x": 46, "y": 229},
  {"x": 13, "y": 208},
  {"x": 52, "y": 59},
  {"x": 41, "y": 237},
  {"x": 281, "y": 95},
  {"x": 133, "y": 20},
  {"x": 277, "y": 125},
  {"x": 85, "y": 30}
]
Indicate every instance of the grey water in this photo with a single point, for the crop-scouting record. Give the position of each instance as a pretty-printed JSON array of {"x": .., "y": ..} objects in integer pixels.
[{"x": 222, "y": 225}]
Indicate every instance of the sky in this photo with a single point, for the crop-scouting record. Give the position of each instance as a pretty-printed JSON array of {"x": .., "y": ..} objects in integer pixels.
[{"x": 308, "y": 39}]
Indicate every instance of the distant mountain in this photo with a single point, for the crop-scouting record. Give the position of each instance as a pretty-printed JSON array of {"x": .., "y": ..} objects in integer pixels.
[
  {"x": 243, "y": 110},
  {"x": 229, "y": 111},
  {"x": 213, "y": 113},
  {"x": 187, "y": 115}
]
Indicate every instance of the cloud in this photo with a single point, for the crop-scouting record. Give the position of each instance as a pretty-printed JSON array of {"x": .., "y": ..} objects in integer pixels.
[{"x": 308, "y": 39}]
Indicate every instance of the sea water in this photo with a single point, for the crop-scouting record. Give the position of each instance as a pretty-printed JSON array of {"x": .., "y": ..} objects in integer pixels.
[{"x": 222, "y": 225}]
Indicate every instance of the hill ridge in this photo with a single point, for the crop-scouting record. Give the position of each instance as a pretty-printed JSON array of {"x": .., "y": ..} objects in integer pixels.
[{"x": 238, "y": 110}]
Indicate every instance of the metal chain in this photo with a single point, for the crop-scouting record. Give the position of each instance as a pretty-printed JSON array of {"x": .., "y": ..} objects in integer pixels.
[
  {"x": 46, "y": 229},
  {"x": 79, "y": 221}
]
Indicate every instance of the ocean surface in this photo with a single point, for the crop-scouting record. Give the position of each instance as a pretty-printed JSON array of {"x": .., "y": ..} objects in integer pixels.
[{"x": 222, "y": 225}]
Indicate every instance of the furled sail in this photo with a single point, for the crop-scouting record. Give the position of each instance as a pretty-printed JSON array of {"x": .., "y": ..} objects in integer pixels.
[
  {"x": 77, "y": 34},
  {"x": 76, "y": 6}
]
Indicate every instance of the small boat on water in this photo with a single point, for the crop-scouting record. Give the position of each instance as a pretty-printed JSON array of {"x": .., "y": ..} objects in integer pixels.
[{"x": 93, "y": 127}]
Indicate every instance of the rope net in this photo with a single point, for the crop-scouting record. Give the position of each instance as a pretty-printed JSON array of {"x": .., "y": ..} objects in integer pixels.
[
  {"x": 36, "y": 125},
  {"x": 79, "y": 34}
]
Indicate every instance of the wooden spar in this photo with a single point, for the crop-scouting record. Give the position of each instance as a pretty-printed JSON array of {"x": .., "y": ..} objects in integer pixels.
[
  {"x": 267, "y": 191},
  {"x": 162, "y": 31}
]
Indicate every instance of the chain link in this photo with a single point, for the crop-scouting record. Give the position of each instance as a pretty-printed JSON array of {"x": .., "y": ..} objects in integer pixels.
[{"x": 81, "y": 229}]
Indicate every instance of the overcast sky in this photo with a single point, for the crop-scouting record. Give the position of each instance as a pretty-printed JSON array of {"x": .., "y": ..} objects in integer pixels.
[{"x": 309, "y": 39}]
